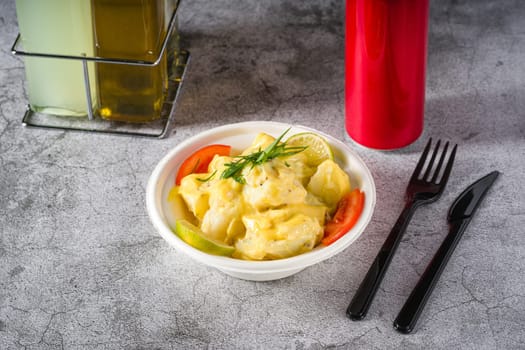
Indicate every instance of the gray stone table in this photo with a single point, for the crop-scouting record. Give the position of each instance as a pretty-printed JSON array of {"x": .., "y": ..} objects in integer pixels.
[{"x": 81, "y": 266}]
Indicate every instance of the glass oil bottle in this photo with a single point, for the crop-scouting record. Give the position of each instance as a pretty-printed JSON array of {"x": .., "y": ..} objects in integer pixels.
[{"x": 134, "y": 30}]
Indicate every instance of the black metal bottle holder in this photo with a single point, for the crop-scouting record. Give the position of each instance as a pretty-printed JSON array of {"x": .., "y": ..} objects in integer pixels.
[{"x": 93, "y": 123}]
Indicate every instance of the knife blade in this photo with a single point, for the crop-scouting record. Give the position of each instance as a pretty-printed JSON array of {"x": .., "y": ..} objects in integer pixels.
[{"x": 459, "y": 215}]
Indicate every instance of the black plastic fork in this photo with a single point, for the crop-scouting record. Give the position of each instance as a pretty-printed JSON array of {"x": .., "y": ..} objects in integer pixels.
[{"x": 422, "y": 189}]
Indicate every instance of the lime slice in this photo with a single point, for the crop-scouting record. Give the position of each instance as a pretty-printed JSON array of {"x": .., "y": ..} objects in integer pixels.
[
  {"x": 318, "y": 150},
  {"x": 194, "y": 236}
]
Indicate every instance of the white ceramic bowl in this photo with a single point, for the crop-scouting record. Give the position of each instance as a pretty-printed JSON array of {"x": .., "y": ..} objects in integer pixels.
[{"x": 240, "y": 136}]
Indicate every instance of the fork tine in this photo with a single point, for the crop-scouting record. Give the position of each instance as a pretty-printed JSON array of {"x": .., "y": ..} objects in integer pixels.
[
  {"x": 421, "y": 161},
  {"x": 440, "y": 163},
  {"x": 431, "y": 162},
  {"x": 448, "y": 168}
]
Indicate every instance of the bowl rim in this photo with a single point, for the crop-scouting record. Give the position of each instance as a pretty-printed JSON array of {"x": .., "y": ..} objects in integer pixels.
[{"x": 318, "y": 254}]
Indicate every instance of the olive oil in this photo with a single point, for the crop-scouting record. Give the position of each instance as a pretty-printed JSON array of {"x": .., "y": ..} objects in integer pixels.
[
  {"x": 130, "y": 29},
  {"x": 173, "y": 47},
  {"x": 57, "y": 27}
]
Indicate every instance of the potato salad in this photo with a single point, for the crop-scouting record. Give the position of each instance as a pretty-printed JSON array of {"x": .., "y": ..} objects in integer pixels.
[{"x": 264, "y": 205}]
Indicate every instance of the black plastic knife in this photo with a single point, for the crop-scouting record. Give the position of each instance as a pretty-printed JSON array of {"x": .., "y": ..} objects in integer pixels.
[{"x": 459, "y": 216}]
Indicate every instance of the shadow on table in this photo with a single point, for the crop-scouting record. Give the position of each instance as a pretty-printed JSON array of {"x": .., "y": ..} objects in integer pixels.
[
  {"x": 472, "y": 118},
  {"x": 476, "y": 117}
]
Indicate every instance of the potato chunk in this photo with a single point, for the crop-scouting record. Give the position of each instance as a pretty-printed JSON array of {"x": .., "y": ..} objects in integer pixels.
[
  {"x": 195, "y": 194},
  {"x": 329, "y": 183},
  {"x": 277, "y": 234},
  {"x": 225, "y": 209},
  {"x": 271, "y": 185}
]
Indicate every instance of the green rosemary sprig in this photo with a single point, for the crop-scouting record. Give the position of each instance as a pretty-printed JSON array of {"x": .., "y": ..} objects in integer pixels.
[
  {"x": 274, "y": 150},
  {"x": 207, "y": 178}
]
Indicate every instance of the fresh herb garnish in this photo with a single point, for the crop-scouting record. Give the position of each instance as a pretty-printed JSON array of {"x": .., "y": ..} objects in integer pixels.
[
  {"x": 274, "y": 150},
  {"x": 207, "y": 178}
]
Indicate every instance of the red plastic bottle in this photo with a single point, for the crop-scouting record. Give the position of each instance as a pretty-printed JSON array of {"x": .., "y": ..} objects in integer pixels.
[{"x": 386, "y": 51}]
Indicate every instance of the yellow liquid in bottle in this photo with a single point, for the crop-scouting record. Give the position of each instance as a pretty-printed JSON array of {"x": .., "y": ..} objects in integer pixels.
[
  {"x": 60, "y": 27},
  {"x": 130, "y": 29},
  {"x": 173, "y": 46}
]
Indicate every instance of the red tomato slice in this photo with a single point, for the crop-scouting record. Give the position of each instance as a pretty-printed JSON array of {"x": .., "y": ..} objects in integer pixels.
[
  {"x": 198, "y": 162},
  {"x": 348, "y": 211}
]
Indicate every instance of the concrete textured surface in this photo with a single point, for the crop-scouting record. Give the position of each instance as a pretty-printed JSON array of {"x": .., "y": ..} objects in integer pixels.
[{"x": 81, "y": 267}]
